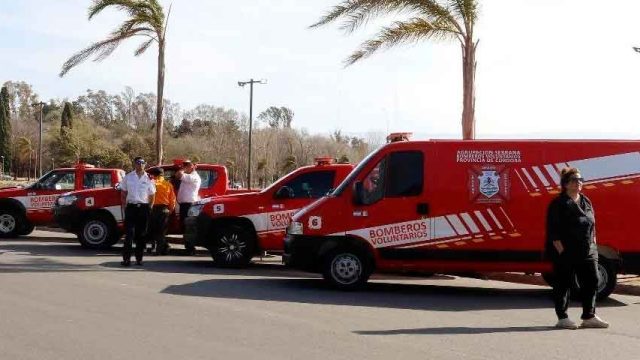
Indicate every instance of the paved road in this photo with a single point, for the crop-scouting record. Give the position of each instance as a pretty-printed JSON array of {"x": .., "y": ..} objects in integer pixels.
[{"x": 59, "y": 301}]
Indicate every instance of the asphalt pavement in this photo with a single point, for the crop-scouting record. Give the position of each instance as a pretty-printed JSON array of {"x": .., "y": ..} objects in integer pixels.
[{"x": 60, "y": 301}]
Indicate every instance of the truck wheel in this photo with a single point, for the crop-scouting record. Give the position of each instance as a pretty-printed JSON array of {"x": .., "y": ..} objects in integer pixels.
[
  {"x": 27, "y": 229},
  {"x": 10, "y": 222},
  {"x": 346, "y": 269},
  {"x": 234, "y": 247},
  {"x": 97, "y": 232},
  {"x": 607, "y": 279}
]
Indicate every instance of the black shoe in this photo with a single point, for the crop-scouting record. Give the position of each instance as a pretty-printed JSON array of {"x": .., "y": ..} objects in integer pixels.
[
  {"x": 125, "y": 263},
  {"x": 139, "y": 262}
]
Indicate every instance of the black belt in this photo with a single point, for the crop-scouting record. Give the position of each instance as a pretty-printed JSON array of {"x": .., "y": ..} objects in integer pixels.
[
  {"x": 137, "y": 205},
  {"x": 164, "y": 206}
]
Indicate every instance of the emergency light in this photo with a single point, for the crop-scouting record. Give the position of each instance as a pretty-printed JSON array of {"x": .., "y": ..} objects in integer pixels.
[{"x": 399, "y": 136}]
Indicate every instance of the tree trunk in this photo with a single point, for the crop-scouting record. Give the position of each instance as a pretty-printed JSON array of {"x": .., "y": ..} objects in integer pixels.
[
  {"x": 468, "y": 89},
  {"x": 160, "y": 103}
]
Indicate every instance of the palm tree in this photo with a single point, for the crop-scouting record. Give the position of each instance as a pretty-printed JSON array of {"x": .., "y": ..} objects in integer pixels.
[
  {"x": 428, "y": 20},
  {"x": 146, "y": 19}
]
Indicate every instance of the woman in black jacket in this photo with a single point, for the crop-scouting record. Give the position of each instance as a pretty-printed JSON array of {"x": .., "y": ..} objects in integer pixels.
[{"x": 571, "y": 245}]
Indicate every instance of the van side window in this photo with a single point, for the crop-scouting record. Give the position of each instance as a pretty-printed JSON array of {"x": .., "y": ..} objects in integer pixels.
[
  {"x": 373, "y": 183},
  {"x": 405, "y": 174},
  {"x": 311, "y": 185}
]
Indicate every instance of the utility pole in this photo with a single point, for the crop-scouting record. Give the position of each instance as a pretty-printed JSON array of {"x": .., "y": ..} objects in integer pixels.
[
  {"x": 39, "y": 159},
  {"x": 242, "y": 84}
]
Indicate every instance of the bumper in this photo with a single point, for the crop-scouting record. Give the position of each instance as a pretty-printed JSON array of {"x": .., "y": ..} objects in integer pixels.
[
  {"x": 196, "y": 229},
  {"x": 303, "y": 252},
  {"x": 630, "y": 263},
  {"x": 67, "y": 217}
]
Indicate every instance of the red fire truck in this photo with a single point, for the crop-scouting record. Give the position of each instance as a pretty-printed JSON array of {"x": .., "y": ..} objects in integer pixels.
[
  {"x": 466, "y": 206},
  {"x": 22, "y": 208},
  {"x": 97, "y": 217},
  {"x": 236, "y": 228}
]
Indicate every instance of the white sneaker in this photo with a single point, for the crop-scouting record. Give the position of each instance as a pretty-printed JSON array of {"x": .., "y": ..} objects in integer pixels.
[
  {"x": 566, "y": 324},
  {"x": 594, "y": 323}
]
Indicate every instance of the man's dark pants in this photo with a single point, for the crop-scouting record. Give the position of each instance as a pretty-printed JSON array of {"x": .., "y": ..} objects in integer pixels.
[
  {"x": 587, "y": 274},
  {"x": 184, "y": 209},
  {"x": 158, "y": 228},
  {"x": 136, "y": 220}
]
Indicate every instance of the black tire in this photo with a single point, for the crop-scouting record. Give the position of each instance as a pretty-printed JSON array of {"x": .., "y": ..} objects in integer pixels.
[
  {"x": 11, "y": 221},
  {"x": 607, "y": 280},
  {"x": 347, "y": 268},
  {"x": 27, "y": 228},
  {"x": 98, "y": 232},
  {"x": 233, "y": 246}
]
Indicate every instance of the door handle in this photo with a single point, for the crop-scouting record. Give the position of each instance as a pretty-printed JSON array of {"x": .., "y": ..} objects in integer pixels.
[{"x": 422, "y": 208}]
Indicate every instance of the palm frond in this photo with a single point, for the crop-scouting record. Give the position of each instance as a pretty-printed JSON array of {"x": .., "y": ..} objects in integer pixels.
[
  {"x": 358, "y": 12},
  {"x": 143, "y": 47},
  {"x": 467, "y": 10},
  {"x": 403, "y": 32},
  {"x": 101, "y": 49}
]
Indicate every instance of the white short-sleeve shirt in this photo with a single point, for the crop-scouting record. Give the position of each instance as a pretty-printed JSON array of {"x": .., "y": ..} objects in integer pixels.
[
  {"x": 138, "y": 188},
  {"x": 189, "y": 186}
]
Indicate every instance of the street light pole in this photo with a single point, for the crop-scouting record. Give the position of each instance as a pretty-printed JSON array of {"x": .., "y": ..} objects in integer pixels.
[
  {"x": 39, "y": 159},
  {"x": 242, "y": 84}
]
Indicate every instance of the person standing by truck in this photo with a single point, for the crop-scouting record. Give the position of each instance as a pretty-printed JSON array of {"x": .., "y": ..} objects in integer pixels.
[
  {"x": 187, "y": 193},
  {"x": 571, "y": 245},
  {"x": 163, "y": 206},
  {"x": 138, "y": 192}
]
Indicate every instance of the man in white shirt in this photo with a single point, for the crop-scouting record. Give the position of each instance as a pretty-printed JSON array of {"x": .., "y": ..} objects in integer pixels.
[
  {"x": 187, "y": 193},
  {"x": 138, "y": 193}
]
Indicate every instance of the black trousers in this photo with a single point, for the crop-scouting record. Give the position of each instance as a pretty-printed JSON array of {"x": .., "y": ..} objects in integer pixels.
[
  {"x": 158, "y": 225},
  {"x": 184, "y": 209},
  {"x": 136, "y": 221},
  {"x": 564, "y": 273}
]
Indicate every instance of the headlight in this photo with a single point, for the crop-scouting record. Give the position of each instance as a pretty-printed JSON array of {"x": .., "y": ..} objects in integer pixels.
[
  {"x": 67, "y": 200},
  {"x": 295, "y": 228},
  {"x": 195, "y": 210}
]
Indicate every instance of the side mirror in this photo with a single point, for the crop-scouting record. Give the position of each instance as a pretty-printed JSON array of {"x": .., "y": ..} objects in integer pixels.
[
  {"x": 284, "y": 192},
  {"x": 358, "y": 193},
  {"x": 117, "y": 186}
]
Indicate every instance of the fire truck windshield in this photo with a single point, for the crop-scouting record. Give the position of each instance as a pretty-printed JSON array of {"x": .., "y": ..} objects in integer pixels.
[{"x": 354, "y": 173}]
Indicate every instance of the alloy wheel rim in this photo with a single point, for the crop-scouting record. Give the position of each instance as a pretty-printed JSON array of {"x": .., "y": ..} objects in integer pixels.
[
  {"x": 7, "y": 223},
  {"x": 346, "y": 269},
  {"x": 95, "y": 232},
  {"x": 603, "y": 277},
  {"x": 231, "y": 247}
]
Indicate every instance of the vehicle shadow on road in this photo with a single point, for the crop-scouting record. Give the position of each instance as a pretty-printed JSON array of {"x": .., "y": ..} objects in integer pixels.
[
  {"x": 458, "y": 330},
  {"x": 63, "y": 249},
  {"x": 376, "y": 294}
]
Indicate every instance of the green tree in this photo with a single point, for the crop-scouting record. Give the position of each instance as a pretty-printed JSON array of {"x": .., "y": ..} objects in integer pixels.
[
  {"x": 146, "y": 19},
  {"x": 5, "y": 129},
  {"x": 66, "y": 120},
  {"x": 428, "y": 20}
]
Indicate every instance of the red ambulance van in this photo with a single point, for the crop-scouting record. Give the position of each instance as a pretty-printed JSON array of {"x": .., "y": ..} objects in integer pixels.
[
  {"x": 22, "y": 208},
  {"x": 237, "y": 227},
  {"x": 466, "y": 206}
]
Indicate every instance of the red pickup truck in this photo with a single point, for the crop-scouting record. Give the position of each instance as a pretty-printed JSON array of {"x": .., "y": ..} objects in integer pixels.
[
  {"x": 237, "y": 227},
  {"x": 22, "y": 208},
  {"x": 96, "y": 215}
]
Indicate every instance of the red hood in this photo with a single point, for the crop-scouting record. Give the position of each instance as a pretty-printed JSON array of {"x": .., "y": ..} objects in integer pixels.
[{"x": 13, "y": 191}]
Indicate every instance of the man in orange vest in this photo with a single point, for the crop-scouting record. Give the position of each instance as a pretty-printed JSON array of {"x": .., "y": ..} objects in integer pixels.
[{"x": 163, "y": 207}]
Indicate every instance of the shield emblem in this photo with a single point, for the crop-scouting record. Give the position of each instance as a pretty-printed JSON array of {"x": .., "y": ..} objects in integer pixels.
[{"x": 489, "y": 183}]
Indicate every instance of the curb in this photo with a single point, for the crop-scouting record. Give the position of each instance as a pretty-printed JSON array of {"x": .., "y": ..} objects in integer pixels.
[{"x": 627, "y": 284}]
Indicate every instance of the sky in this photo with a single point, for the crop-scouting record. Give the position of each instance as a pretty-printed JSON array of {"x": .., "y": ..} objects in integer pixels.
[{"x": 546, "y": 68}]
